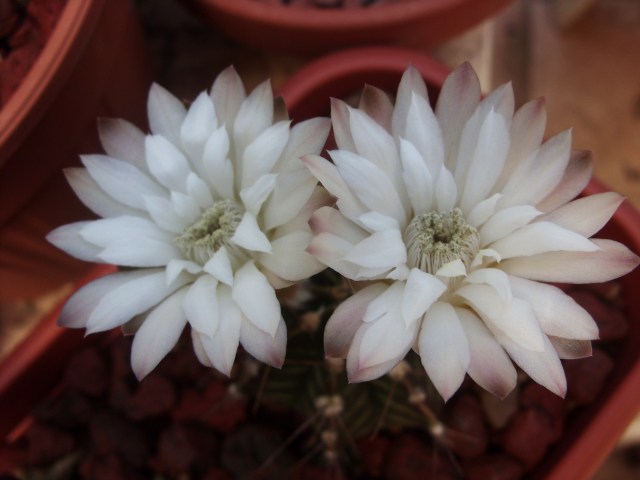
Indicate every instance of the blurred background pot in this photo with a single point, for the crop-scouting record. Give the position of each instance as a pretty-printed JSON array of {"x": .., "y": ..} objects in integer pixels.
[
  {"x": 94, "y": 64},
  {"x": 295, "y": 29}
]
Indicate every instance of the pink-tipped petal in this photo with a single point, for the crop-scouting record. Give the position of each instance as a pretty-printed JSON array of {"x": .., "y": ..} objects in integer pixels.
[
  {"x": 227, "y": 94},
  {"x": 307, "y": 137},
  {"x": 377, "y": 104},
  {"x": 289, "y": 258},
  {"x": 586, "y": 215},
  {"x": 443, "y": 348},
  {"x": 346, "y": 319},
  {"x": 262, "y": 346},
  {"x": 570, "y": 349},
  {"x": 458, "y": 99},
  {"x": 489, "y": 365},
  {"x": 557, "y": 312},
  {"x": 612, "y": 261},
  {"x": 575, "y": 178}
]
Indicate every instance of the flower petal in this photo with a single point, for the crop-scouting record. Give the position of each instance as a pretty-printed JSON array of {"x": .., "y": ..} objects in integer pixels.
[
  {"x": 587, "y": 215},
  {"x": 496, "y": 279},
  {"x": 121, "y": 181},
  {"x": 370, "y": 184},
  {"x": 201, "y": 305},
  {"x": 458, "y": 99},
  {"x": 166, "y": 114},
  {"x": 254, "y": 116},
  {"x": 68, "y": 238},
  {"x": 487, "y": 162},
  {"x": 532, "y": 180},
  {"x": 218, "y": 168},
  {"x": 515, "y": 320},
  {"x": 383, "y": 340},
  {"x": 380, "y": 250},
  {"x": 443, "y": 348},
  {"x": 164, "y": 214},
  {"x": 421, "y": 290},
  {"x": 227, "y": 94},
  {"x": 541, "y": 237},
  {"x": 256, "y": 298},
  {"x": 122, "y": 140},
  {"x": 411, "y": 83},
  {"x": 158, "y": 334},
  {"x": 197, "y": 126},
  {"x": 254, "y": 196},
  {"x": 489, "y": 365},
  {"x": 341, "y": 126},
  {"x": 219, "y": 266},
  {"x": 175, "y": 267},
  {"x": 329, "y": 219},
  {"x": 136, "y": 292},
  {"x": 543, "y": 367},
  {"x": 569, "y": 349},
  {"x": 613, "y": 260},
  {"x": 327, "y": 173},
  {"x": 291, "y": 191},
  {"x": 417, "y": 178},
  {"x": 483, "y": 210},
  {"x": 559, "y": 315},
  {"x": 330, "y": 249},
  {"x": 575, "y": 178},
  {"x": 505, "y": 222},
  {"x": 167, "y": 164},
  {"x": 347, "y": 318},
  {"x": 248, "y": 235},
  {"x": 223, "y": 346},
  {"x": 289, "y": 258},
  {"x": 264, "y": 347},
  {"x": 260, "y": 156},
  {"x": 446, "y": 190},
  {"x": 305, "y": 138},
  {"x": 424, "y": 132},
  {"x": 377, "y": 104}
]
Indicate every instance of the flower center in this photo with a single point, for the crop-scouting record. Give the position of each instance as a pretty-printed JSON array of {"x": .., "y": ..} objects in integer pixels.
[
  {"x": 213, "y": 230},
  {"x": 434, "y": 239}
]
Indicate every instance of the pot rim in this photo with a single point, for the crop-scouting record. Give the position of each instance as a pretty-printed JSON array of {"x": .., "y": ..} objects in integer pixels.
[
  {"x": 335, "y": 19},
  {"x": 47, "y": 75}
]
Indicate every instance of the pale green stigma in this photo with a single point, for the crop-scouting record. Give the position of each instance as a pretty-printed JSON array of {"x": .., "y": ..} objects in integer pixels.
[
  {"x": 213, "y": 230},
  {"x": 434, "y": 239}
]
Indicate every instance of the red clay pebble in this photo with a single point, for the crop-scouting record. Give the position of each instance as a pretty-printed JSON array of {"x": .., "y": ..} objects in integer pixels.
[
  {"x": 538, "y": 397},
  {"x": 527, "y": 436},
  {"x": 107, "y": 467},
  {"x": 373, "y": 452},
  {"x": 182, "y": 448},
  {"x": 154, "y": 396},
  {"x": 466, "y": 433},
  {"x": 217, "y": 473},
  {"x": 67, "y": 410},
  {"x": 586, "y": 376},
  {"x": 87, "y": 372},
  {"x": 46, "y": 444},
  {"x": 411, "y": 457},
  {"x": 217, "y": 407},
  {"x": 113, "y": 434},
  {"x": 493, "y": 467},
  {"x": 9, "y": 17},
  {"x": 612, "y": 323}
]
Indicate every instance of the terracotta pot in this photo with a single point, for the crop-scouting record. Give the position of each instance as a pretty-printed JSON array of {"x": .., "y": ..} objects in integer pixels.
[
  {"x": 302, "y": 30},
  {"x": 590, "y": 434},
  {"x": 594, "y": 431},
  {"x": 94, "y": 64}
]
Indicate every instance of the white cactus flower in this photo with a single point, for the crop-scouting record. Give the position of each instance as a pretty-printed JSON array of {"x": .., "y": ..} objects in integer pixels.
[
  {"x": 454, "y": 217},
  {"x": 209, "y": 213}
]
